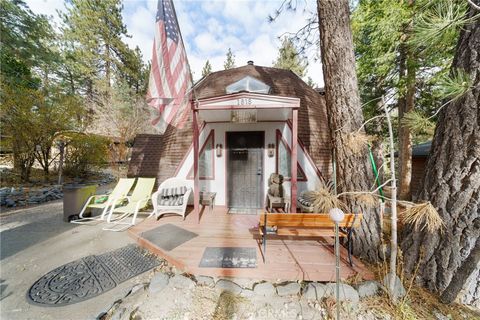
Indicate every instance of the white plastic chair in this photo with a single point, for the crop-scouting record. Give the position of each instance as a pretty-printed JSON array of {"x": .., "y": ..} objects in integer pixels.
[{"x": 159, "y": 209}]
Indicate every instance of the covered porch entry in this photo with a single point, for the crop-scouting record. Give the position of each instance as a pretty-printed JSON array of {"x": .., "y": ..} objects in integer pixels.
[{"x": 244, "y": 126}]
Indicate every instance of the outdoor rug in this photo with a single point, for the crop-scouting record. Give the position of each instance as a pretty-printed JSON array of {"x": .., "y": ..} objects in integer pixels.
[
  {"x": 90, "y": 276},
  {"x": 168, "y": 236},
  {"x": 229, "y": 257},
  {"x": 247, "y": 211}
]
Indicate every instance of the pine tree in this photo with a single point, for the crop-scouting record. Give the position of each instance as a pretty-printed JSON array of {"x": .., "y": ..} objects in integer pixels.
[
  {"x": 288, "y": 58},
  {"x": 230, "y": 61},
  {"x": 345, "y": 117},
  {"x": 207, "y": 69},
  {"x": 95, "y": 30},
  {"x": 448, "y": 258}
]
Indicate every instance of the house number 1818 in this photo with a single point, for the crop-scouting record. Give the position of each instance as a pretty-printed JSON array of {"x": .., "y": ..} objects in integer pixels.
[{"x": 244, "y": 101}]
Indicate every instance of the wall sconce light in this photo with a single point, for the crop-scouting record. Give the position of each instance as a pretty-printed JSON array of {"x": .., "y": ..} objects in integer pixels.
[
  {"x": 271, "y": 150},
  {"x": 219, "y": 149}
]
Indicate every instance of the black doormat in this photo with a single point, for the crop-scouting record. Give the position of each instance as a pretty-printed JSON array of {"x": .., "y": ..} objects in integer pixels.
[
  {"x": 168, "y": 236},
  {"x": 229, "y": 257},
  {"x": 90, "y": 276}
]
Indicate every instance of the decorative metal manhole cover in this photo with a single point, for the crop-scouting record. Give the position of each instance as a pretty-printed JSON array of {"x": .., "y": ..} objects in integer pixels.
[{"x": 90, "y": 276}]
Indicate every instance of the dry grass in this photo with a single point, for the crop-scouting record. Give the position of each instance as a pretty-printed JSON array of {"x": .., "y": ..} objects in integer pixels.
[
  {"x": 323, "y": 199},
  {"x": 227, "y": 306},
  {"x": 423, "y": 216},
  {"x": 357, "y": 141},
  {"x": 366, "y": 199}
]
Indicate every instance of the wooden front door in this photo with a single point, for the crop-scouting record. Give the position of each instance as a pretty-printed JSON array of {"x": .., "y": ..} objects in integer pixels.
[{"x": 245, "y": 169}]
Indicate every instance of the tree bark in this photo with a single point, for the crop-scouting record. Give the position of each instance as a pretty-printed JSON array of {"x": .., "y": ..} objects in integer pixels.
[
  {"x": 354, "y": 171},
  {"x": 452, "y": 184}
]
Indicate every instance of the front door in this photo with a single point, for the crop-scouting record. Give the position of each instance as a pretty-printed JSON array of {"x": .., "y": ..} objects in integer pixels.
[{"x": 245, "y": 169}]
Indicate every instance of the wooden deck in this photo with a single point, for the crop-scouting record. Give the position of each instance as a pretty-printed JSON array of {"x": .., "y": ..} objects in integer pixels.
[{"x": 285, "y": 259}]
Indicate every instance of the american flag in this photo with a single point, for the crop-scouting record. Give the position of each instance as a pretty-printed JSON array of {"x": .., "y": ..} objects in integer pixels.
[{"x": 170, "y": 80}]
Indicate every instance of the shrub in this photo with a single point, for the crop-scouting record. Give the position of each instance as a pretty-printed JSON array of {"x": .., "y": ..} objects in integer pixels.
[{"x": 84, "y": 153}]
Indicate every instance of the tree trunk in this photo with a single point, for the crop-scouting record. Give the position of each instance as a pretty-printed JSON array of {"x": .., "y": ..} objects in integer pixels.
[
  {"x": 452, "y": 184},
  {"x": 354, "y": 172},
  {"x": 404, "y": 134},
  {"x": 405, "y": 105}
]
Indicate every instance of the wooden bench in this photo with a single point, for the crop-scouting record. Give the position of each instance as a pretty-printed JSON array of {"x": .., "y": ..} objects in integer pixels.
[{"x": 305, "y": 226}]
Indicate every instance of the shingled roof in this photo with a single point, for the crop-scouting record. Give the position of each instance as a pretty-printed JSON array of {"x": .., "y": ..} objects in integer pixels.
[{"x": 312, "y": 119}]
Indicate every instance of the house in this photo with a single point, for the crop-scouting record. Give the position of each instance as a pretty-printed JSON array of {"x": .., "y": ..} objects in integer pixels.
[
  {"x": 246, "y": 123},
  {"x": 420, "y": 154}
]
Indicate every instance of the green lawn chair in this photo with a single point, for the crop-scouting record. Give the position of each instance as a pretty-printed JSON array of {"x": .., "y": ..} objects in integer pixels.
[
  {"x": 106, "y": 201},
  {"x": 137, "y": 201}
]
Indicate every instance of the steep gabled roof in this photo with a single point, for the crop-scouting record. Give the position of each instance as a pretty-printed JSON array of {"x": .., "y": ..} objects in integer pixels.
[{"x": 312, "y": 116}]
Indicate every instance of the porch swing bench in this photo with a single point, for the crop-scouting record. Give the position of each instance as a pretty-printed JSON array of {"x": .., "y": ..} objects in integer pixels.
[{"x": 309, "y": 226}]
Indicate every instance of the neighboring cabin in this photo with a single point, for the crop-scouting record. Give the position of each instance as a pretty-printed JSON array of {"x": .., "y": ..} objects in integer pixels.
[{"x": 420, "y": 154}]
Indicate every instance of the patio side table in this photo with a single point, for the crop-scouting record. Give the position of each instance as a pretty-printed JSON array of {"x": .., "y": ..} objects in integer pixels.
[{"x": 208, "y": 199}]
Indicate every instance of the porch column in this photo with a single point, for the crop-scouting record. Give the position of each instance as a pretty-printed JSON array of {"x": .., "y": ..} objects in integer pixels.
[
  {"x": 294, "y": 160},
  {"x": 196, "y": 189}
]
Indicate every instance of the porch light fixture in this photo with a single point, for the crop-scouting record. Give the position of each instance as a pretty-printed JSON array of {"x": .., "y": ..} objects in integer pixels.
[
  {"x": 271, "y": 150},
  {"x": 219, "y": 148}
]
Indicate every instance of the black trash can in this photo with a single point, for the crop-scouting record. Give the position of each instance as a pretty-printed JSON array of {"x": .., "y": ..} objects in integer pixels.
[{"x": 74, "y": 198}]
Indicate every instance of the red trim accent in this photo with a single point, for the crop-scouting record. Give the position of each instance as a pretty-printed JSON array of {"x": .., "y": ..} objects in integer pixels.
[
  {"x": 190, "y": 173},
  {"x": 196, "y": 191},
  {"x": 188, "y": 152},
  {"x": 304, "y": 149},
  {"x": 273, "y": 102},
  {"x": 281, "y": 139},
  {"x": 294, "y": 160}
]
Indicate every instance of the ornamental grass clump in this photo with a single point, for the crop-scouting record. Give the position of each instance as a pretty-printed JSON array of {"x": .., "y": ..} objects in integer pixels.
[
  {"x": 357, "y": 141},
  {"x": 323, "y": 199},
  {"x": 423, "y": 216}
]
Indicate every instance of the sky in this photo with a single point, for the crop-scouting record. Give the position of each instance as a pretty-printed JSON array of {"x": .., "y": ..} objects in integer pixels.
[{"x": 209, "y": 28}]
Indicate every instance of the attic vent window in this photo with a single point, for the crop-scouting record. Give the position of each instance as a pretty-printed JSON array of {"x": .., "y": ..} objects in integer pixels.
[{"x": 248, "y": 84}]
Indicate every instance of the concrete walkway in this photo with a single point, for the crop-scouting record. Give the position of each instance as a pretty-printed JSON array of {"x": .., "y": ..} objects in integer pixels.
[{"x": 34, "y": 241}]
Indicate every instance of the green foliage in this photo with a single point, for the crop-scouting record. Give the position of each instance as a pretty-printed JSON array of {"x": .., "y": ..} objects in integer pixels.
[
  {"x": 454, "y": 85},
  {"x": 418, "y": 123},
  {"x": 84, "y": 153},
  {"x": 230, "y": 60},
  {"x": 289, "y": 59},
  {"x": 93, "y": 31},
  {"x": 394, "y": 36},
  {"x": 207, "y": 69},
  {"x": 438, "y": 22}
]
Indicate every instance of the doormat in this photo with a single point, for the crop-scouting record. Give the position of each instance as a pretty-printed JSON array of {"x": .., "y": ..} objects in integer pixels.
[
  {"x": 90, "y": 276},
  {"x": 168, "y": 236},
  {"x": 247, "y": 211},
  {"x": 229, "y": 257}
]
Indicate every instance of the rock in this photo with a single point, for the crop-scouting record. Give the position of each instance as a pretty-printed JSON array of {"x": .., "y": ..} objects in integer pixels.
[
  {"x": 347, "y": 292},
  {"x": 136, "y": 288},
  {"x": 158, "y": 282},
  {"x": 265, "y": 289},
  {"x": 227, "y": 285},
  {"x": 181, "y": 282},
  {"x": 367, "y": 289},
  {"x": 290, "y": 289},
  {"x": 205, "y": 281},
  {"x": 315, "y": 291},
  {"x": 9, "y": 202},
  {"x": 398, "y": 289},
  {"x": 247, "y": 293}
]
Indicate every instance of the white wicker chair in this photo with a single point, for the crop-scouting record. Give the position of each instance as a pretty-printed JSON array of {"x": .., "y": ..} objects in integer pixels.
[{"x": 160, "y": 210}]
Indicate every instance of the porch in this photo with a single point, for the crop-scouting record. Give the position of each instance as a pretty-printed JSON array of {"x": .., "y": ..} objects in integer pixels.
[{"x": 285, "y": 259}]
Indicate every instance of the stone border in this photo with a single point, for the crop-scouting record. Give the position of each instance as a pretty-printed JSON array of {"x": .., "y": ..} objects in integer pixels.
[{"x": 308, "y": 290}]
